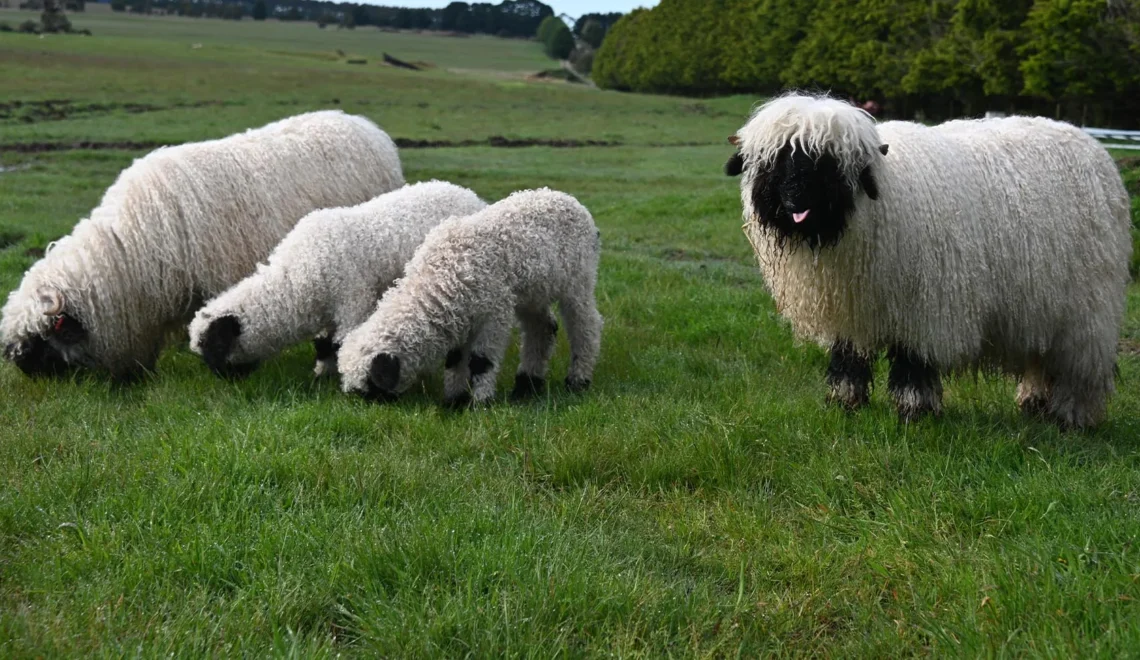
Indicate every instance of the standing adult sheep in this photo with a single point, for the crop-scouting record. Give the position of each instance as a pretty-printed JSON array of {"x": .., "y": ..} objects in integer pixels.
[
  {"x": 181, "y": 225},
  {"x": 325, "y": 277},
  {"x": 464, "y": 287},
  {"x": 999, "y": 243}
]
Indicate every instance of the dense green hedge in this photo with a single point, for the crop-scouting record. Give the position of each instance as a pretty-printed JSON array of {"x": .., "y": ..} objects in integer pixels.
[{"x": 1079, "y": 59}]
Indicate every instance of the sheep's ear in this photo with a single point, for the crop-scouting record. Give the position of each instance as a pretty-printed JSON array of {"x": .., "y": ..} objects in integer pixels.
[
  {"x": 735, "y": 165},
  {"x": 883, "y": 148},
  {"x": 385, "y": 372},
  {"x": 51, "y": 301},
  {"x": 867, "y": 181}
]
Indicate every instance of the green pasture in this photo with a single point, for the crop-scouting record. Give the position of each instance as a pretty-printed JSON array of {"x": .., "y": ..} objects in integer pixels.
[{"x": 699, "y": 501}]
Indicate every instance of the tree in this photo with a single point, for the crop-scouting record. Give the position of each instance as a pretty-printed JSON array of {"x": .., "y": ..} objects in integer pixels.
[
  {"x": 561, "y": 42},
  {"x": 546, "y": 28},
  {"x": 53, "y": 18},
  {"x": 259, "y": 10},
  {"x": 592, "y": 33}
]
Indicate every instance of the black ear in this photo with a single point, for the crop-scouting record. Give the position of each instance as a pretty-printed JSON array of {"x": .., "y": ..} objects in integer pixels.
[
  {"x": 385, "y": 372},
  {"x": 883, "y": 148},
  {"x": 218, "y": 341},
  {"x": 735, "y": 165},
  {"x": 867, "y": 180},
  {"x": 68, "y": 330}
]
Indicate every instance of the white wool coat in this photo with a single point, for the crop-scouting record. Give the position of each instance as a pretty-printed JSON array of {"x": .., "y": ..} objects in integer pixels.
[
  {"x": 329, "y": 272},
  {"x": 472, "y": 276},
  {"x": 184, "y": 223},
  {"x": 993, "y": 242}
]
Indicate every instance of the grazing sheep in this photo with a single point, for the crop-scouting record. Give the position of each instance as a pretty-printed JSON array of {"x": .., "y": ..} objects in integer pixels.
[
  {"x": 467, "y": 282},
  {"x": 178, "y": 226},
  {"x": 325, "y": 276},
  {"x": 1000, "y": 243}
]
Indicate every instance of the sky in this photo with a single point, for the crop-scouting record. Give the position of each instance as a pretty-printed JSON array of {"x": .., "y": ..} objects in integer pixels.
[{"x": 570, "y": 7}]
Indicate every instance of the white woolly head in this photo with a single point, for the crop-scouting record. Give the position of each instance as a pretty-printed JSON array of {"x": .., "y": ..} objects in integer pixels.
[
  {"x": 47, "y": 323},
  {"x": 815, "y": 124},
  {"x": 806, "y": 161},
  {"x": 383, "y": 357}
]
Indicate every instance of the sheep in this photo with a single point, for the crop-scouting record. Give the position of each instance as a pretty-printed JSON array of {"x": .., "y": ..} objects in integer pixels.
[
  {"x": 462, "y": 289},
  {"x": 178, "y": 226},
  {"x": 997, "y": 244},
  {"x": 324, "y": 277}
]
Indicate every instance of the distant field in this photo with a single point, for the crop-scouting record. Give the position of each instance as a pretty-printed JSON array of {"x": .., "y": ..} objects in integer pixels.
[
  {"x": 167, "y": 33},
  {"x": 699, "y": 501}
]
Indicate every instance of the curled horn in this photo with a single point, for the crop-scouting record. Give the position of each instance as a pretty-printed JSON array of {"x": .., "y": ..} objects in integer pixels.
[
  {"x": 734, "y": 140},
  {"x": 53, "y": 302}
]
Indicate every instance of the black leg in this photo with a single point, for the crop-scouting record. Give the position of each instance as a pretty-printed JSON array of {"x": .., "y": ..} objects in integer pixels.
[
  {"x": 848, "y": 376},
  {"x": 914, "y": 384}
]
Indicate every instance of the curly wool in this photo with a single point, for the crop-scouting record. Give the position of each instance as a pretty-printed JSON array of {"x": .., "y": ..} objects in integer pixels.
[
  {"x": 468, "y": 281},
  {"x": 186, "y": 222},
  {"x": 1000, "y": 242},
  {"x": 813, "y": 124},
  {"x": 328, "y": 273}
]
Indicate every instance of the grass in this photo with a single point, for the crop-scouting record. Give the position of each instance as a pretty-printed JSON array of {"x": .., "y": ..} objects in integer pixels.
[{"x": 700, "y": 500}]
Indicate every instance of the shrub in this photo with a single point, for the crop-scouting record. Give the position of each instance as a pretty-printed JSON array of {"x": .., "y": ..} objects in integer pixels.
[
  {"x": 547, "y": 27},
  {"x": 259, "y": 10},
  {"x": 593, "y": 32},
  {"x": 4, "y": 27},
  {"x": 30, "y": 27}
]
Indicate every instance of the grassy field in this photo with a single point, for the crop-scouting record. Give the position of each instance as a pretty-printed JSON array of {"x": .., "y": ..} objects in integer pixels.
[{"x": 700, "y": 500}]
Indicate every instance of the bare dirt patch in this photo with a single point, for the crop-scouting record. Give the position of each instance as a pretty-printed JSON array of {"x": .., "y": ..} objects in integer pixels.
[{"x": 34, "y": 112}]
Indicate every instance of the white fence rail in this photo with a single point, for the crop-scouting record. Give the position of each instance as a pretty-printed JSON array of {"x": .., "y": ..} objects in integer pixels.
[{"x": 1113, "y": 134}]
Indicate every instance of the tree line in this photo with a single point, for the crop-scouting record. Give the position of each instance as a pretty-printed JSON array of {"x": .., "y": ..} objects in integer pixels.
[
  {"x": 509, "y": 18},
  {"x": 1073, "y": 59}
]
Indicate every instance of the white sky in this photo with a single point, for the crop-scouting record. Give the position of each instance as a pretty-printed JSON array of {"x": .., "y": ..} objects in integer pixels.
[{"x": 573, "y": 8}]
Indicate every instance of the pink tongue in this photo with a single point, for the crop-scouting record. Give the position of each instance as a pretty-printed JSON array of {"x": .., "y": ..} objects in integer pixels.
[{"x": 800, "y": 217}]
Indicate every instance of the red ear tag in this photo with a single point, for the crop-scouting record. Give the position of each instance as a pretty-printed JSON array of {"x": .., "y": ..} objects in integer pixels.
[{"x": 59, "y": 323}]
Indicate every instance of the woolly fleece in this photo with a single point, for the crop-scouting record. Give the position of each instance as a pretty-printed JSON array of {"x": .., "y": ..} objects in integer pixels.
[
  {"x": 468, "y": 281},
  {"x": 184, "y": 223},
  {"x": 328, "y": 273},
  {"x": 997, "y": 242}
]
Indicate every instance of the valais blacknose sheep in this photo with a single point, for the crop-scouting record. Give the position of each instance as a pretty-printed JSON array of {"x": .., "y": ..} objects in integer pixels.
[
  {"x": 998, "y": 243},
  {"x": 325, "y": 277},
  {"x": 181, "y": 225},
  {"x": 463, "y": 289}
]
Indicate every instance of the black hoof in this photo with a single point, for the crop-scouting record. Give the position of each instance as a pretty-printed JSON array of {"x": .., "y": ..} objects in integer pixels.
[
  {"x": 528, "y": 387},
  {"x": 1035, "y": 406},
  {"x": 458, "y": 402},
  {"x": 577, "y": 384},
  {"x": 234, "y": 371}
]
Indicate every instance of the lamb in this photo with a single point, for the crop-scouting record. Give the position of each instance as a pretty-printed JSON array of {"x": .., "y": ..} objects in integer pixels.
[
  {"x": 978, "y": 244},
  {"x": 325, "y": 277},
  {"x": 181, "y": 225},
  {"x": 463, "y": 288}
]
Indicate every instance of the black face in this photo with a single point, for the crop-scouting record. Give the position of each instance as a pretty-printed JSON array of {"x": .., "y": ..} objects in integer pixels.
[
  {"x": 217, "y": 344},
  {"x": 44, "y": 356},
  {"x": 804, "y": 199},
  {"x": 383, "y": 378}
]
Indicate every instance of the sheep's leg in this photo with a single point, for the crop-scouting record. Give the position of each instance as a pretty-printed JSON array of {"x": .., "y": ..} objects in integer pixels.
[
  {"x": 584, "y": 330},
  {"x": 1033, "y": 389},
  {"x": 326, "y": 350},
  {"x": 1081, "y": 370},
  {"x": 539, "y": 328},
  {"x": 848, "y": 376},
  {"x": 457, "y": 377},
  {"x": 914, "y": 384},
  {"x": 488, "y": 346}
]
